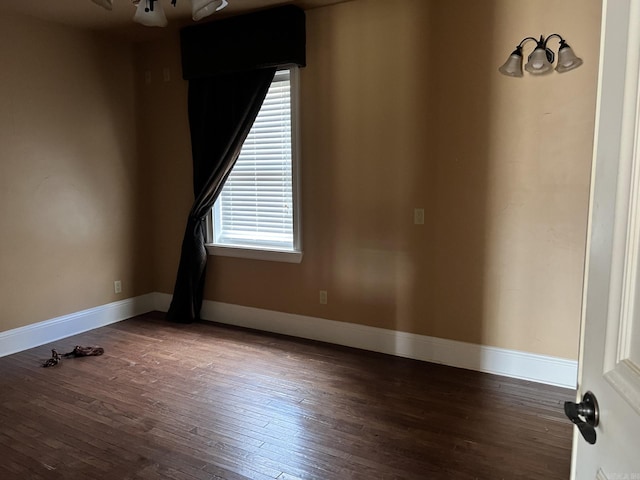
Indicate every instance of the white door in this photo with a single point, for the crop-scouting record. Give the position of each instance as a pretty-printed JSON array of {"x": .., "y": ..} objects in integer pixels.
[{"x": 610, "y": 340}]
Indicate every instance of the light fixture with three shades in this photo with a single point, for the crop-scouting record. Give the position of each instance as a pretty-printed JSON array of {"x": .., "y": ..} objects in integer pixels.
[
  {"x": 540, "y": 61},
  {"x": 151, "y": 14}
]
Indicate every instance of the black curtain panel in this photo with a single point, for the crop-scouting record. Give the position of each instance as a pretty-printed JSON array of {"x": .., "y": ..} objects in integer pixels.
[
  {"x": 222, "y": 110},
  {"x": 229, "y": 65}
]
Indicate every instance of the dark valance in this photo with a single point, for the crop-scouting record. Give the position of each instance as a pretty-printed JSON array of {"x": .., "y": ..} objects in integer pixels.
[{"x": 265, "y": 39}]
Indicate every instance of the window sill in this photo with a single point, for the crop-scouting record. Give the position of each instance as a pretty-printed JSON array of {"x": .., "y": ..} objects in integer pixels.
[{"x": 255, "y": 254}]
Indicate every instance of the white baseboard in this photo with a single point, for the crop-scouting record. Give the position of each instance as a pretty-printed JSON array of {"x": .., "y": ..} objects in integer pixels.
[
  {"x": 499, "y": 361},
  {"x": 34, "y": 335},
  {"x": 511, "y": 363}
]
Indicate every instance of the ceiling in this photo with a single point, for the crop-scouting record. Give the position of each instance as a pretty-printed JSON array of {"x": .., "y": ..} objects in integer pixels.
[{"x": 88, "y": 15}]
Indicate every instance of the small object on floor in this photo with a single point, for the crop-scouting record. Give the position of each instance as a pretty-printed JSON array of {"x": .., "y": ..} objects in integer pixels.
[
  {"x": 79, "y": 351},
  {"x": 53, "y": 361}
]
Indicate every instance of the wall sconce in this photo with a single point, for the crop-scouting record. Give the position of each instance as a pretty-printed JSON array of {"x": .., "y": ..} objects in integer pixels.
[{"x": 540, "y": 60}]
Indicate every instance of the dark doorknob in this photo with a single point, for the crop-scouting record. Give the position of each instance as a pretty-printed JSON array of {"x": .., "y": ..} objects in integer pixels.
[{"x": 587, "y": 410}]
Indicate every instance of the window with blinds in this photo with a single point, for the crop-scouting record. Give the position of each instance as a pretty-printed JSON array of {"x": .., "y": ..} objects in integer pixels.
[{"x": 256, "y": 206}]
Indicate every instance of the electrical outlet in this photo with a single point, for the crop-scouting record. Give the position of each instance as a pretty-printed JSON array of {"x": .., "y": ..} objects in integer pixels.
[
  {"x": 418, "y": 216},
  {"x": 323, "y": 297},
  {"x": 117, "y": 286}
]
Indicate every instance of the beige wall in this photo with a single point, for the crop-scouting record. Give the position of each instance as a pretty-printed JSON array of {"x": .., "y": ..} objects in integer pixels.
[
  {"x": 402, "y": 107},
  {"x": 165, "y": 152},
  {"x": 69, "y": 193}
]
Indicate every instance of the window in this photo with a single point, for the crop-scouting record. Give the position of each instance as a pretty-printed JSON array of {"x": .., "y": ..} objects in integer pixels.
[{"x": 256, "y": 215}]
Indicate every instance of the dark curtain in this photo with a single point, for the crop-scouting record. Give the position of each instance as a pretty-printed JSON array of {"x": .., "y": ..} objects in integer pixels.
[
  {"x": 222, "y": 110},
  {"x": 269, "y": 38}
]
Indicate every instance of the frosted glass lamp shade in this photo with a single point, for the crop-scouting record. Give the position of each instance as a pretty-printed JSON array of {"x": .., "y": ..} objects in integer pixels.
[
  {"x": 513, "y": 66},
  {"x": 106, "y": 4},
  {"x": 204, "y": 8},
  {"x": 538, "y": 63},
  {"x": 567, "y": 60},
  {"x": 150, "y": 14}
]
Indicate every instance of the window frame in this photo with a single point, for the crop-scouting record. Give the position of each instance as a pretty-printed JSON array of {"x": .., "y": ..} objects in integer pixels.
[{"x": 264, "y": 253}]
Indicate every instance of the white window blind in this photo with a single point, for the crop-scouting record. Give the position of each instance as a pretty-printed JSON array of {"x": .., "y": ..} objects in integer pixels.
[{"x": 255, "y": 207}]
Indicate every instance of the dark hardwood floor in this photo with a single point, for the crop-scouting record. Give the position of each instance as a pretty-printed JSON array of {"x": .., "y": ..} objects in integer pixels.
[{"x": 205, "y": 401}]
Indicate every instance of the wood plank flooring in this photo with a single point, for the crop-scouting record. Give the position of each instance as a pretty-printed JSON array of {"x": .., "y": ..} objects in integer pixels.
[{"x": 205, "y": 401}]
